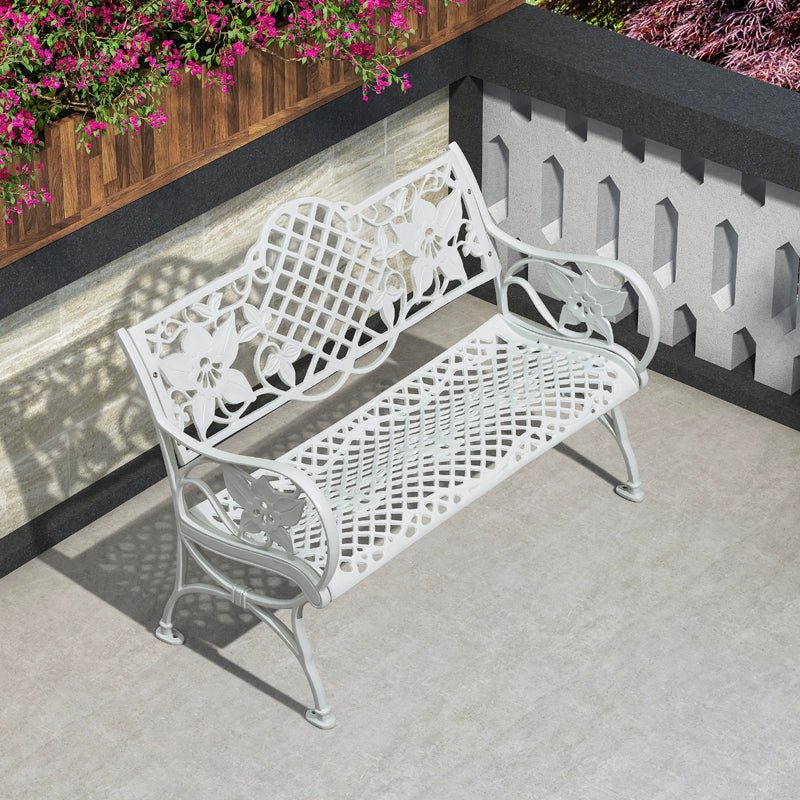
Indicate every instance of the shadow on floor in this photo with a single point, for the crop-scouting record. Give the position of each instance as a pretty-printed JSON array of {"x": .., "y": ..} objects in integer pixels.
[{"x": 132, "y": 568}]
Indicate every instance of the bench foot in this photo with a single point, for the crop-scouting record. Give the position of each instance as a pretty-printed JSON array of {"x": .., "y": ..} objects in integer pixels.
[
  {"x": 321, "y": 719},
  {"x": 168, "y": 634},
  {"x": 631, "y": 490},
  {"x": 165, "y": 632},
  {"x": 633, "y": 493}
]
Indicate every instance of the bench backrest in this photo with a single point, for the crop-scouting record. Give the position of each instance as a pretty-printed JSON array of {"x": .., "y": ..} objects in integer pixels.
[{"x": 324, "y": 286}]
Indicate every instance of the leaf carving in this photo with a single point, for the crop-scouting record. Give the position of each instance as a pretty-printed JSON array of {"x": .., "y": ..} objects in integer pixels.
[
  {"x": 273, "y": 364},
  {"x": 387, "y": 311},
  {"x": 286, "y": 372},
  {"x": 280, "y": 362},
  {"x": 384, "y": 250},
  {"x": 559, "y": 283},
  {"x": 237, "y": 483},
  {"x": 203, "y": 407},
  {"x": 210, "y": 308},
  {"x": 451, "y": 265},
  {"x": 603, "y": 327},
  {"x": 422, "y": 273},
  {"x": 448, "y": 216}
]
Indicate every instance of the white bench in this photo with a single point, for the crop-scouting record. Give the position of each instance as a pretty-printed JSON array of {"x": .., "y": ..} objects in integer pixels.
[{"x": 324, "y": 290}]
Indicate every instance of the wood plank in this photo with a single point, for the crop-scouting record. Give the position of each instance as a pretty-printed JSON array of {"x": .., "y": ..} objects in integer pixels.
[
  {"x": 69, "y": 168},
  {"x": 61, "y": 159},
  {"x": 233, "y": 99},
  {"x": 122, "y": 146},
  {"x": 83, "y": 179},
  {"x": 148, "y": 153},
  {"x": 171, "y": 131},
  {"x": 12, "y": 233},
  {"x": 96, "y": 180},
  {"x": 161, "y": 149},
  {"x": 51, "y": 151},
  {"x": 185, "y": 119},
  {"x": 274, "y": 75},
  {"x": 109, "y": 156},
  {"x": 135, "y": 168},
  {"x": 300, "y": 86},
  {"x": 43, "y": 217}
]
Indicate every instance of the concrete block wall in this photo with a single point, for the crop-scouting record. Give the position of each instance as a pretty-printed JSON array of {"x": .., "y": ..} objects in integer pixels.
[
  {"x": 69, "y": 411},
  {"x": 718, "y": 248}
]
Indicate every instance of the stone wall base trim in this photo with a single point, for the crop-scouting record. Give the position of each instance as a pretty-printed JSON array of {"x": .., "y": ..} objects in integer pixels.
[{"x": 76, "y": 512}]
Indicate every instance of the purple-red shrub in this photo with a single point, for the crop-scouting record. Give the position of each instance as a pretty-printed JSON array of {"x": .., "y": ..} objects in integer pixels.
[{"x": 758, "y": 38}]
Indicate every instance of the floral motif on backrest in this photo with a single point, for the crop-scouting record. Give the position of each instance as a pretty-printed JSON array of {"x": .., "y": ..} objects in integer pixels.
[
  {"x": 303, "y": 307},
  {"x": 424, "y": 227}
]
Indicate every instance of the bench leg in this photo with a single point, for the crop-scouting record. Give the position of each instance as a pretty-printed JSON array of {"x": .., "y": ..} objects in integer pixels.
[
  {"x": 165, "y": 632},
  {"x": 320, "y": 715},
  {"x": 297, "y": 639},
  {"x": 632, "y": 488}
]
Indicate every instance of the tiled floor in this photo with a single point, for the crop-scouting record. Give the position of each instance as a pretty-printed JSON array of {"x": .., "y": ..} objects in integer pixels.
[{"x": 550, "y": 641}]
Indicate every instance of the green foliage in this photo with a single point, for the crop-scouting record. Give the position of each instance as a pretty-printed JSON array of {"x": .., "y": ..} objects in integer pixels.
[{"x": 601, "y": 13}]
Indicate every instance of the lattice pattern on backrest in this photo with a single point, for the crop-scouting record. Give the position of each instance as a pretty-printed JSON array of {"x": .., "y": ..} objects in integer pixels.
[{"x": 325, "y": 284}]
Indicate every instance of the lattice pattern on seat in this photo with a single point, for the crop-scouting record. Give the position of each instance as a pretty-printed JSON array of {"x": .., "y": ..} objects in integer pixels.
[{"x": 440, "y": 438}]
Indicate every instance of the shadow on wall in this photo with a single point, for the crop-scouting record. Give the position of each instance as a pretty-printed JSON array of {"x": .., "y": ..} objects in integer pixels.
[{"x": 74, "y": 414}]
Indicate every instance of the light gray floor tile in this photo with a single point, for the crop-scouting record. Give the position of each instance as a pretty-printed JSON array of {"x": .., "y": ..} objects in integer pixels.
[{"x": 550, "y": 642}]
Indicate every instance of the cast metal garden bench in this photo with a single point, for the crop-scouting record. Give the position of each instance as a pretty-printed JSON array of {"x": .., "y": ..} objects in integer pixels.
[{"x": 324, "y": 290}]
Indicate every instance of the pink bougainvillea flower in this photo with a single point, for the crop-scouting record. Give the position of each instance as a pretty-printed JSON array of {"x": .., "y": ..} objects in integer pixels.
[{"x": 110, "y": 60}]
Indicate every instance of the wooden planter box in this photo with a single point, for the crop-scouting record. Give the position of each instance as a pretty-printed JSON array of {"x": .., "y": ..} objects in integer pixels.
[{"x": 204, "y": 125}]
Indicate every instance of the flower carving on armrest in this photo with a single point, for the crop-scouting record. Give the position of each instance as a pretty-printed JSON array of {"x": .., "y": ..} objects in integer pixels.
[
  {"x": 586, "y": 301},
  {"x": 267, "y": 513},
  {"x": 391, "y": 286}
]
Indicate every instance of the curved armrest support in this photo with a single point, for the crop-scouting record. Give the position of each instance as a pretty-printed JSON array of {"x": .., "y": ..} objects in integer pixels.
[
  {"x": 585, "y": 301},
  {"x": 267, "y": 512}
]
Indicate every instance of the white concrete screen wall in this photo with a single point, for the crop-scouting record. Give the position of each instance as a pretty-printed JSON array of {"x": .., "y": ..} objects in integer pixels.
[
  {"x": 718, "y": 248},
  {"x": 69, "y": 413}
]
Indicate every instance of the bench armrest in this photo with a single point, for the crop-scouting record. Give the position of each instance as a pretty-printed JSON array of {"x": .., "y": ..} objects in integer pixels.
[
  {"x": 267, "y": 512},
  {"x": 586, "y": 302}
]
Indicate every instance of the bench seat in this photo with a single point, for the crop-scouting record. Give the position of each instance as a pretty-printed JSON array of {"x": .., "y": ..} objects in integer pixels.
[{"x": 397, "y": 467}]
